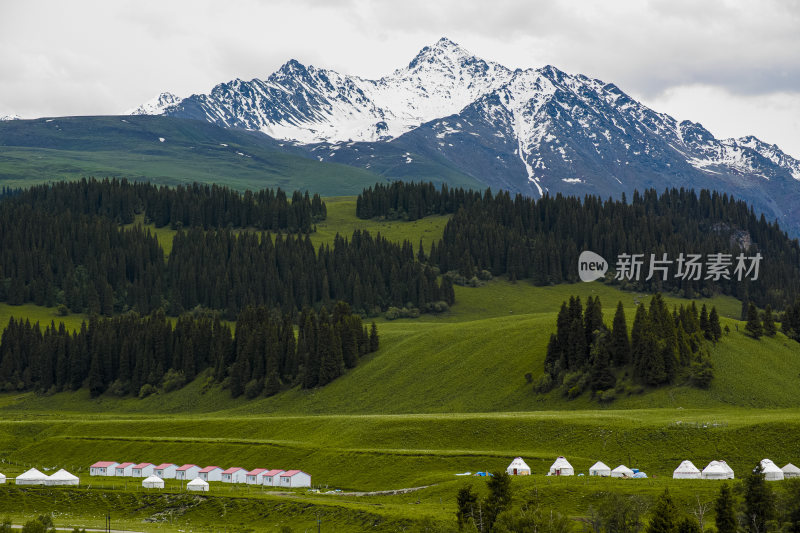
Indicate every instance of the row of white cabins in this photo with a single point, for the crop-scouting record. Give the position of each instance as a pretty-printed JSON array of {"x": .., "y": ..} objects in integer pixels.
[{"x": 189, "y": 472}]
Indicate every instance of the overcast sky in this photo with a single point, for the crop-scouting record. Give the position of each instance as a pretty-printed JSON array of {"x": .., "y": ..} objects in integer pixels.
[{"x": 733, "y": 66}]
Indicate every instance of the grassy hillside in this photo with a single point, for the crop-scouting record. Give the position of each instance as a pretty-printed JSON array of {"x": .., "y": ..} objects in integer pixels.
[
  {"x": 474, "y": 359},
  {"x": 35, "y": 151}
]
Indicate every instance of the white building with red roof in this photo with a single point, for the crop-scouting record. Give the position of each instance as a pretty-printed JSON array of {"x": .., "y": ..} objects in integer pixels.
[
  {"x": 295, "y": 478},
  {"x": 188, "y": 472},
  {"x": 103, "y": 468},
  {"x": 143, "y": 470},
  {"x": 256, "y": 476},
  {"x": 210, "y": 473},
  {"x": 234, "y": 475},
  {"x": 272, "y": 478},
  {"x": 124, "y": 469},
  {"x": 165, "y": 470}
]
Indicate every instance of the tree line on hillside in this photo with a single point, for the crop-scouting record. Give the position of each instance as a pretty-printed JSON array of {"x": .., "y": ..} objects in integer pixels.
[
  {"x": 139, "y": 355},
  {"x": 412, "y": 200},
  {"x": 90, "y": 264},
  {"x": 541, "y": 239},
  {"x": 195, "y": 205},
  {"x": 663, "y": 346},
  {"x": 751, "y": 506}
]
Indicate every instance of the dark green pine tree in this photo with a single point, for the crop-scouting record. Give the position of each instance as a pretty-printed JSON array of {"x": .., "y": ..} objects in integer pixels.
[
  {"x": 95, "y": 379},
  {"x": 769, "y": 322},
  {"x": 498, "y": 499},
  {"x": 601, "y": 376},
  {"x": 753, "y": 326},
  {"x": 725, "y": 510},
  {"x": 641, "y": 342},
  {"x": 714, "y": 325},
  {"x": 704, "y": 323},
  {"x": 552, "y": 359},
  {"x": 664, "y": 516},
  {"x": 593, "y": 319},
  {"x": 759, "y": 502},
  {"x": 374, "y": 341},
  {"x": 689, "y": 525},
  {"x": 467, "y": 505},
  {"x": 620, "y": 345},
  {"x": 273, "y": 385}
]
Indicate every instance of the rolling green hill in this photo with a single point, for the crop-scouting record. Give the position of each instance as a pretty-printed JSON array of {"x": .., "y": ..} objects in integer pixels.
[
  {"x": 41, "y": 150},
  {"x": 172, "y": 151}
]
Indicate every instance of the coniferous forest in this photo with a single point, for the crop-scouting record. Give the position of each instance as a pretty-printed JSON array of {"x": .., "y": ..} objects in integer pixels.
[
  {"x": 139, "y": 355},
  {"x": 541, "y": 239},
  {"x": 663, "y": 347},
  {"x": 72, "y": 251},
  {"x": 196, "y": 205}
]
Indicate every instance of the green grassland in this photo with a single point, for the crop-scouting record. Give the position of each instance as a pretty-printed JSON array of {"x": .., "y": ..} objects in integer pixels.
[
  {"x": 444, "y": 394},
  {"x": 42, "y": 150}
]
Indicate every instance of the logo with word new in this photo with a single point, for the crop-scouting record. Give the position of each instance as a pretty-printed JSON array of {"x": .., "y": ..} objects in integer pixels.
[{"x": 591, "y": 266}]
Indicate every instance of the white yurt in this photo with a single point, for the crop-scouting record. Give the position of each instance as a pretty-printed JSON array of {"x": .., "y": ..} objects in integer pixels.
[
  {"x": 561, "y": 468},
  {"x": 771, "y": 471},
  {"x": 622, "y": 471},
  {"x": 686, "y": 470},
  {"x": 31, "y": 477},
  {"x": 600, "y": 469},
  {"x": 727, "y": 468},
  {"x": 717, "y": 470},
  {"x": 62, "y": 477},
  {"x": 2, "y": 478},
  {"x": 518, "y": 467},
  {"x": 153, "y": 482},
  {"x": 790, "y": 471},
  {"x": 197, "y": 484}
]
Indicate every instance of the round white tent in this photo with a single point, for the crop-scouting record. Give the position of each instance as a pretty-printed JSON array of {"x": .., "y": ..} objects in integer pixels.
[
  {"x": 717, "y": 470},
  {"x": 153, "y": 482},
  {"x": 790, "y": 471},
  {"x": 62, "y": 477},
  {"x": 31, "y": 477},
  {"x": 686, "y": 470},
  {"x": 518, "y": 467},
  {"x": 197, "y": 484},
  {"x": 771, "y": 471},
  {"x": 727, "y": 468},
  {"x": 561, "y": 468},
  {"x": 600, "y": 469},
  {"x": 622, "y": 471}
]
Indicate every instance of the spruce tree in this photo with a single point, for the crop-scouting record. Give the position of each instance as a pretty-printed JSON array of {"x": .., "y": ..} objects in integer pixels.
[
  {"x": 714, "y": 325},
  {"x": 753, "y": 326},
  {"x": 499, "y": 497},
  {"x": 467, "y": 506},
  {"x": 725, "y": 509},
  {"x": 374, "y": 341},
  {"x": 620, "y": 345},
  {"x": 704, "y": 324},
  {"x": 759, "y": 501},
  {"x": 601, "y": 377},
  {"x": 664, "y": 516},
  {"x": 769, "y": 322}
]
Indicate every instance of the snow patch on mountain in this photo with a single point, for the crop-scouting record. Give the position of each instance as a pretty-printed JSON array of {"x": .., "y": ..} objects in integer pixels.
[{"x": 156, "y": 105}]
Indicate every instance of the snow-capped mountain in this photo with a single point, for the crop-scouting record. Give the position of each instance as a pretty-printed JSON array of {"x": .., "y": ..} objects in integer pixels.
[
  {"x": 533, "y": 131},
  {"x": 10, "y": 117},
  {"x": 156, "y": 105}
]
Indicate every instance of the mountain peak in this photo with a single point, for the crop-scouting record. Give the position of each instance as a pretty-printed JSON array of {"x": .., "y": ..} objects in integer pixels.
[
  {"x": 444, "y": 51},
  {"x": 156, "y": 105}
]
